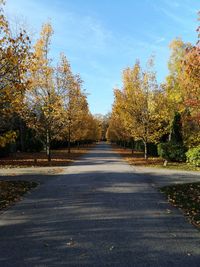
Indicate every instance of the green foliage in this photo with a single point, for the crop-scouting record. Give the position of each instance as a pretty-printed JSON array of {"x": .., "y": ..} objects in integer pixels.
[
  {"x": 152, "y": 149},
  {"x": 193, "y": 156},
  {"x": 172, "y": 152},
  {"x": 174, "y": 149},
  {"x": 176, "y": 132},
  {"x": 4, "y": 151},
  {"x": 138, "y": 145},
  {"x": 6, "y": 138},
  {"x": 32, "y": 142}
]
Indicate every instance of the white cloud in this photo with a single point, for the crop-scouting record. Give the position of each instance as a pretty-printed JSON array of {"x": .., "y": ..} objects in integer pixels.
[
  {"x": 71, "y": 29},
  {"x": 160, "y": 40}
]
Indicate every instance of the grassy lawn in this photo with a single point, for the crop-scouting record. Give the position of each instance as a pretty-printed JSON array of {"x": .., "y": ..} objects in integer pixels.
[
  {"x": 59, "y": 158},
  {"x": 12, "y": 191},
  {"x": 137, "y": 159},
  {"x": 187, "y": 198},
  {"x": 178, "y": 166}
]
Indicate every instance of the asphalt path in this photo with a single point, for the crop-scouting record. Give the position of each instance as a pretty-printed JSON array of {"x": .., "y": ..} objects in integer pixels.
[{"x": 97, "y": 212}]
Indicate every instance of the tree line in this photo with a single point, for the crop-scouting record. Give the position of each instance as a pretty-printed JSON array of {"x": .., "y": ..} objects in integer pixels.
[
  {"x": 39, "y": 103},
  {"x": 167, "y": 114}
]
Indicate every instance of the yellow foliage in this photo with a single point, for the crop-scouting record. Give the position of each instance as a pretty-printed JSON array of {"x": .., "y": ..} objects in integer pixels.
[{"x": 6, "y": 138}]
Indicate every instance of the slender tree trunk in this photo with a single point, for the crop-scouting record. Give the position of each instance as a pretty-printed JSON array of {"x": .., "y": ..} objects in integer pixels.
[
  {"x": 48, "y": 149},
  {"x": 170, "y": 136},
  {"x": 22, "y": 135},
  {"x": 69, "y": 140},
  {"x": 132, "y": 146},
  {"x": 145, "y": 150},
  {"x": 125, "y": 144}
]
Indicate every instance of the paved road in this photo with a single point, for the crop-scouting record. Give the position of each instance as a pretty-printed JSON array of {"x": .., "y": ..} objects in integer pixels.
[{"x": 99, "y": 212}]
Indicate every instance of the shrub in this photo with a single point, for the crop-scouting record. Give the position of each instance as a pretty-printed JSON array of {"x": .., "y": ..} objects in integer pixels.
[
  {"x": 138, "y": 145},
  {"x": 172, "y": 152},
  {"x": 34, "y": 145},
  {"x": 193, "y": 156},
  {"x": 152, "y": 149},
  {"x": 32, "y": 142},
  {"x": 4, "y": 151}
]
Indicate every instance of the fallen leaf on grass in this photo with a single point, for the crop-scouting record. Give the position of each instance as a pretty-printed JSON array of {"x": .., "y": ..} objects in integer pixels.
[
  {"x": 12, "y": 191},
  {"x": 187, "y": 198}
]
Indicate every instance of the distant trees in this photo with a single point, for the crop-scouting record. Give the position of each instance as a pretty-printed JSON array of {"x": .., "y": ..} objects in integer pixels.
[{"x": 103, "y": 123}]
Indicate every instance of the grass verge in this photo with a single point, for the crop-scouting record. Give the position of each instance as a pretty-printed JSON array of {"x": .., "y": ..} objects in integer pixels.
[
  {"x": 177, "y": 166},
  {"x": 187, "y": 198},
  {"x": 12, "y": 191},
  {"x": 137, "y": 159}
]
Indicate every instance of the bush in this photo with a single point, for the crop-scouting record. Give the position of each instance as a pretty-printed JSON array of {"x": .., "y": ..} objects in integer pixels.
[
  {"x": 172, "y": 152},
  {"x": 34, "y": 145},
  {"x": 4, "y": 151},
  {"x": 138, "y": 145},
  {"x": 32, "y": 142},
  {"x": 193, "y": 156},
  {"x": 152, "y": 150}
]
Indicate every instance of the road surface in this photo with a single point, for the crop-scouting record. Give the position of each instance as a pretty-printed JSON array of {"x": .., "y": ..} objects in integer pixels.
[{"x": 98, "y": 212}]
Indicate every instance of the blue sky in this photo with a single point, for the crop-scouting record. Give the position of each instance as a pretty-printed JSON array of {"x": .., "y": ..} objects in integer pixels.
[{"x": 102, "y": 37}]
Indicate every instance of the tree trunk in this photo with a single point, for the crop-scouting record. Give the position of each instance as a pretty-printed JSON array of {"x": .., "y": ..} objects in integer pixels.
[
  {"x": 165, "y": 163},
  {"x": 145, "y": 150},
  {"x": 69, "y": 140},
  {"x": 124, "y": 144},
  {"x": 48, "y": 149},
  {"x": 132, "y": 146},
  {"x": 22, "y": 136},
  {"x": 170, "y": 136}
]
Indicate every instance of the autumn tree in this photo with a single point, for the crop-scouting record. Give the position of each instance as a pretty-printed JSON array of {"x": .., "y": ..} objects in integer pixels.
[
  {"x": 118, "y": 130},
  {"x": 103, "y": 124},
  {"x": 174, "y": 86},
  {"x": 93, "y": 128},
  {"x": 190, "y": 83},
  {"x": 43, "y": 105},
  {"x": 15, "y": 58},
  {"x": 182, "y": 89},
  {"x": 143, "y": 108},
  {"x": 75, "y": 110}
]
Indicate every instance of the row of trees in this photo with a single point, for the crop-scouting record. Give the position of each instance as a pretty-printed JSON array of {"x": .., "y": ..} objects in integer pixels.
[
  {"x": 152, "y": 113},
  {"x": 39, "y": 98}
]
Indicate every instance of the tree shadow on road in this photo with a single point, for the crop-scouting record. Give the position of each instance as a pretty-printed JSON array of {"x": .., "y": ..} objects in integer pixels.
[{"x": 96, "y": 219}]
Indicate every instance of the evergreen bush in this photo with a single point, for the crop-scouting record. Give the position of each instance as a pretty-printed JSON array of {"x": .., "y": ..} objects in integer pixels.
[{"x": 193, "y": 156}]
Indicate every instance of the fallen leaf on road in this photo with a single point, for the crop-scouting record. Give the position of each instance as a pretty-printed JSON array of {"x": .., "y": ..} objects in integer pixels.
[
  {"x": 71, "y": 243},
  {"x": 168, "y": 211}
]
